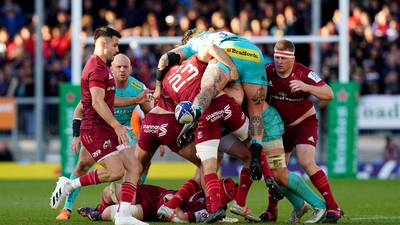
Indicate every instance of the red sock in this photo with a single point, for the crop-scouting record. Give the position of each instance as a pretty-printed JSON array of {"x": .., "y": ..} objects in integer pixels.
[
  {"x": 128, "y": 192},
  {"x": 103, "y": 205},
  {"x": 320, "y": 181},
  {"x": 213, "y": 190},
  {"x": 264, "y": 165},
  {"x": 189, "y": 188},
  {"x": 208, "y": 204},
  {"x": 244, "y": 187},
  {"x": 272, "y": 204},
  {"x": 90, "y": 178}
]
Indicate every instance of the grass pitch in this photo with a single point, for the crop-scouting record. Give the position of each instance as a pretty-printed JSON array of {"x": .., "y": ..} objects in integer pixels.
[{"x": 364, "y": 202}]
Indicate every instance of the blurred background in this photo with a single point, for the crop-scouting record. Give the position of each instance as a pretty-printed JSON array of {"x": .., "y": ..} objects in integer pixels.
[{"x": 30, "y": 110}]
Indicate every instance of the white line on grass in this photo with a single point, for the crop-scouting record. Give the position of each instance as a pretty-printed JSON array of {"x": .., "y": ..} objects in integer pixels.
[{"x": 376, "y": 218}]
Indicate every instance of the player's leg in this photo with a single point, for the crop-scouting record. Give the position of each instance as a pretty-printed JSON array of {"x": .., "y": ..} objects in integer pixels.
[
  {"x": 237, "y": 149},
  {"x": 188, "y": 189},
  {"x": 306, "y": 159},
  {"x": 128, "y": 188},
  {"x": 207, "y": 138},
  {"x": 85, "y": 161},
  {"x": 110, "y": 212},
  {"x": 296, "y": 189},
  {"x": 93, "y": 140}
]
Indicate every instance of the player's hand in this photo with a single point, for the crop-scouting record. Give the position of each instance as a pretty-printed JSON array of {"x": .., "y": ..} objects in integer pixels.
[
  {"x": 298, "y": 85},
  {"x": 75, "y": 144},
  {"x": 234, "y": 73},
  {"x": 162, "y": 150},
  {"x": 157, "y": 93},
  {"x": 123, "y": 134},
  {"x": 144, "y": 97}
]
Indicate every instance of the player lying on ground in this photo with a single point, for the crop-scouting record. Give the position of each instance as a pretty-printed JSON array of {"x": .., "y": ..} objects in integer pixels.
[{"x": 149, "y": 199}]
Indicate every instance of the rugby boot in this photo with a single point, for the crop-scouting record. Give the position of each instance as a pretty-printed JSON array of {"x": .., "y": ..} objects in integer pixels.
[
  {"x": 90, "y": 213},
  {"x": 269, "y": 216},
  {"x": 243, "y": 211},
  {"x": 298, "y": 213},
  {"x": 64, "y": 214},
  {"x": 217, "y": 215},
  {"x": 62, "y": 189},
  {"x": 333, "y": 215},
  {"x": 273, "y": 189},
  {"x": 316, "y": 216}
]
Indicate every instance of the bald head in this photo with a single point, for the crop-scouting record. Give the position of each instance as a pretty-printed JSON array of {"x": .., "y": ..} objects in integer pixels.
[{"x": 121, "y": 68}]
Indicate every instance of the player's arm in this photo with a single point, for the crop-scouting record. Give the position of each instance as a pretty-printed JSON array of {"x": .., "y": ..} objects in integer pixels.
[
  {"x": 142, "y": 98},
  {"x": 105, "y": 113},
  {"x": 323, "y": 92},
  {"x": 213, "y": 81},
  {"x": 146, "y": 107},
  {"x": 76, "y": 126},
  {"x": 166, "y": 61},
  {"x": 213, "y": 51},
  {"x": 314, "y": 85}
]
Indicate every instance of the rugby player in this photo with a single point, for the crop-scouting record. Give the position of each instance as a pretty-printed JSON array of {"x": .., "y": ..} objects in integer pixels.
[
  {"x": 129, "y": 93},
  {"x": 101, "y": 134},
  {"x": 291, "y": 86}
]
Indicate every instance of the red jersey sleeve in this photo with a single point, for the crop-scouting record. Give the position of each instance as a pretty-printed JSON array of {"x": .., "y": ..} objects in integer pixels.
[
  {"x": 312, "y": 78},
  {"x": 97, "y": 78}
]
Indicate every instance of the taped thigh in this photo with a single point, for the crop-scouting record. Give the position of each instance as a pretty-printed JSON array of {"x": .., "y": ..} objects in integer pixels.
[
  {"x": 243, "y": 132},
  {"x": 207, "y": 149}
]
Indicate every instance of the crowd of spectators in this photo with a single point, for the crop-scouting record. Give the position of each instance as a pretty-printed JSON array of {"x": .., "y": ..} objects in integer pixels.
[{"x": 373, "y": 27}]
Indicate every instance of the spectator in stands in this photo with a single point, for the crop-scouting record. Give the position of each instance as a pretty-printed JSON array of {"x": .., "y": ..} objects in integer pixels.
[
  {"x": 5, "y": 153},
  {"x": 392, "y": 150}
]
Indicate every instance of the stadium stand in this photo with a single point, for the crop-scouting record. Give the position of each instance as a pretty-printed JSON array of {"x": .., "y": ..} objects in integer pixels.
[{"x": 373, "y": 25}]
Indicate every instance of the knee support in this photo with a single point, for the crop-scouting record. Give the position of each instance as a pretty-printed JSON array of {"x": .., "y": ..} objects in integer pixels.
[
  {"x": 207, "y": 150},
  {"x": 276, "y": 161},
  {"x": 243, "y": 132}
]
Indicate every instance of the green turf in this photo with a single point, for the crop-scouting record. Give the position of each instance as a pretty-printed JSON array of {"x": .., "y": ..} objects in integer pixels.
[{"x": 364, "y": 202}]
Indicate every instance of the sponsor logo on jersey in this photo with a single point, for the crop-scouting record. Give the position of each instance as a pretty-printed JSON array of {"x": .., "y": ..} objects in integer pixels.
[
  {"x": 163, "y": 130},
  {"x": 96, "y": 153},
  {"x": 110, "y": 76},
  {"x": 311, "y": 139},
  {"x": 243, "y": 53},
  {"x": 225, "y": 113},
  {"x": 107, "y": 144},
  {"x": 314, "y": 76},
  {"x": 136, "y": 85},
  {"x": 282, "y": 96}
]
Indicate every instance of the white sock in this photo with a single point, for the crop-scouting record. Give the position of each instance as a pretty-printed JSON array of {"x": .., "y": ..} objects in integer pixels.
[
  {"x": 134, "y": 211},
  {"x": 76, "y": 183},
  {"x": 113, "y": 211},
  {"x": 124, "y": 208}
]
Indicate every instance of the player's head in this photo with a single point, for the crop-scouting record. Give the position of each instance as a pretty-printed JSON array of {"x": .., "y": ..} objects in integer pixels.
[
  {"x": 121, "y": 67},
  {"x": 284, "y": 56},
  {"x": 189, "y": 34},
  {"x": 106, "y": 42},
  {"x": 228, "y": 190}
]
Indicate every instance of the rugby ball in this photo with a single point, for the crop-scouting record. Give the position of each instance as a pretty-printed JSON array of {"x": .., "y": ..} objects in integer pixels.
[{"x": 184, "y": 112}]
